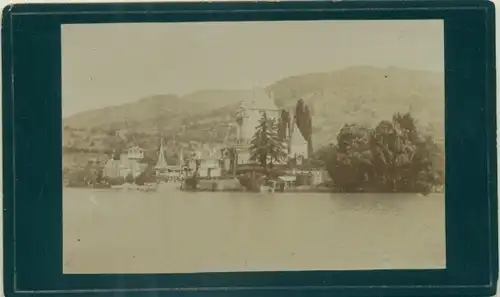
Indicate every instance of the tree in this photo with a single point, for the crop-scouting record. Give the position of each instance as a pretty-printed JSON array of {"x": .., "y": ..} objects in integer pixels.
[
  {"x": 322, "y": 155},
  {"x": 393, "y": 154},
  {"x": 408, "y": 126},
  {"x": 284, "y": 124},
  {"x": 266, "y": 146},
  {"x": 147, "y": 176},
  {"x": 150, "y": 157},
  {"x": 304, "y": 123},
  {"x": 428, "y": 165},
  {"x": 417, "y": 161},
  {"x": 307, "y": 126},
  {"x": 89, "y": 174},
  {"x": 77, "y": 178},
  {"x": 350, "y": 162},
  {"x": 129, "y": 178},
  {"x": 392, "y": 157}
]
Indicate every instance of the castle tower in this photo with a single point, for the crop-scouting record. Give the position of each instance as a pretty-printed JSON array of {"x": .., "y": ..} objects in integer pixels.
[
  {"x": 250, "y": 112},
  {"x": 241, "y": 119},
  {"x": 247, "y": 120},
  {"x": 181, "y": 157}
]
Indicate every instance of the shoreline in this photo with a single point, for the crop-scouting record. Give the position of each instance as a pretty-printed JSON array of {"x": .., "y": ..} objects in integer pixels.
[{"x": 203, "y": 190}]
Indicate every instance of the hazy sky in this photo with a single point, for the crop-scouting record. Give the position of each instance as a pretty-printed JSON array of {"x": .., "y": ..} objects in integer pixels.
[{"x": 111, "y": 64}]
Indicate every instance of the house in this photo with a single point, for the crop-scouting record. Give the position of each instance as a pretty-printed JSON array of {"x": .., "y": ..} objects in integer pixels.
[
  {"x": 112, "y": 168},
  {"x": 135, "y": 153},
  {"x": 319, "y": 176},
  {"x": 208, "y": 167},
  {"x": 244, "y": 156},
  {"x": 207, "y": 162},
  {"x": 211, "y": 166},
  {"x": 289, "y": 180},
  {"x": 122, "y": 168},
  {"x": 326, "y": 176},
  {"x": 127, "y": 164},
  {"x": 130, "y": 167}
]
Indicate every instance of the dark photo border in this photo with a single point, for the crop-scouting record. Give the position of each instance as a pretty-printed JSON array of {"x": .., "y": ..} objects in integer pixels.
[{"x": 32, "y": 166}]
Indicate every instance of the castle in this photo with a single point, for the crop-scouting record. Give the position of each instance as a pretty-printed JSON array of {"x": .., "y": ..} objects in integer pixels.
[{"x": 247, "y": 120}]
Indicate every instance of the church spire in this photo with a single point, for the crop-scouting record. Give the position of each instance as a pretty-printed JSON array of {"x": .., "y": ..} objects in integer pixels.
[{"x": 161, "y": 163}]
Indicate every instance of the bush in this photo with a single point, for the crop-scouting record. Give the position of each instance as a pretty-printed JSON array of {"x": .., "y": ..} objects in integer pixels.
[
  {"x": 129, "y": 178},
  {"x": 77, "y": 178},
  {"x": 191, "y": 183},
  {"x": 116, "y": 181},
  {"x": 251, "y": 181},
  {"x": 147, "y": 176}
]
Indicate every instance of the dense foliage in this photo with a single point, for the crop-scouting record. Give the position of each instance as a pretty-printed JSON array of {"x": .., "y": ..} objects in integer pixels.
[
  {"x": 147, "y": 176},
  {"x": 392, "y": 157},
  {"x": 266, "y": 146},
  {"x": 129, "y": 178},
  {"x": 303, "y": 119}
]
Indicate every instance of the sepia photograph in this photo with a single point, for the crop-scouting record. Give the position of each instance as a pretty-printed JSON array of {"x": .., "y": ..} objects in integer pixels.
[{"x": 253, "y": 146}]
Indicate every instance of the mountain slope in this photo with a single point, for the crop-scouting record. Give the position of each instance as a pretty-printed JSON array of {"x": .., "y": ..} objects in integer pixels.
[
  {"x": 363, "y": 95},
  {"x": 153, "y": 110}
]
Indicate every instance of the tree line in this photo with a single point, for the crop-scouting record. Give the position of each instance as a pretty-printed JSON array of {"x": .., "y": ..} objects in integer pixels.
[{"x": 392, "y": 157}]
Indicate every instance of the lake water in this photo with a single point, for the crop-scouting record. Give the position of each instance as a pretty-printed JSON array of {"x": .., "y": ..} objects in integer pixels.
[{"x": 109, "y": 231}]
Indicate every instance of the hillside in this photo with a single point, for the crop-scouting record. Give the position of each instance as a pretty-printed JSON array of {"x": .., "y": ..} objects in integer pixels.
[
  {"x": 365, "y": 95},
  {"x": 154, "y": 110},
  {"x": 362, "y": 95}
]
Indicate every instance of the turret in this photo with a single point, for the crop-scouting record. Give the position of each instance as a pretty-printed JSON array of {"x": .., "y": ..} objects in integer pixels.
[{"x": 241, "y": 118}]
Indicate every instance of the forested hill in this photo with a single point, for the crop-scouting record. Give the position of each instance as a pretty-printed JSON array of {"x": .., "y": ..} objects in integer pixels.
[{"x": 362, "y": 95}]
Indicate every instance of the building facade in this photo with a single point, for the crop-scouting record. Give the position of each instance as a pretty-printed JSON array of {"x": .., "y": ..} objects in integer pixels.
[
  {"x": 247, "y": 119},
  {"x": 135, "y": 153},
  {"x": 122, "y": 168}
]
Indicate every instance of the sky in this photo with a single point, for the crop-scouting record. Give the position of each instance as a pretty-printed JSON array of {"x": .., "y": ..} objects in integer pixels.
[{"x": 113, "y": 64}]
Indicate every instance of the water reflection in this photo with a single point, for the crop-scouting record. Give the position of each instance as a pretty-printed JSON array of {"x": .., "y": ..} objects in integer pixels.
[{"x": 219, "y": 231}]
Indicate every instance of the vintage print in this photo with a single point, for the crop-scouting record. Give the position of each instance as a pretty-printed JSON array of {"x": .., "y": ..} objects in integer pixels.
[{"x": 253, "y": 146}]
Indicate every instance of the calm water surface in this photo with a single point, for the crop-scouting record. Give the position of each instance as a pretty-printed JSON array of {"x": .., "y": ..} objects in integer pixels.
[{"x": 108, "y": 231}]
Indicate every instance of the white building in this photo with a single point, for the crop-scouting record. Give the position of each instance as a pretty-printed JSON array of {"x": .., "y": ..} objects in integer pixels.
[
  {"x": 250, "y": 112},
  {"x": 297, "y": 144},
  {"x": 128, "y": 164},
  {"x": 248, "y": 117},
  {"x": 122, "y": 167},
  {"x": 135, "y": 153},
  {"x": 209, "y": 163}
]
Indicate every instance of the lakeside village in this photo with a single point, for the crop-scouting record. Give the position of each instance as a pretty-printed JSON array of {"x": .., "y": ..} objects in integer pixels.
[
  {"x": 272, "y": 152},
  {"x": 230, "y": 167}
]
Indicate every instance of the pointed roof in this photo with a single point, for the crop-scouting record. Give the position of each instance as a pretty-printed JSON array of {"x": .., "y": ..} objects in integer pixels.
[
  {"x": 298, "y": 144},
  {"x": 162, "y": 162},
  {"x": 296, "y": 137}
]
